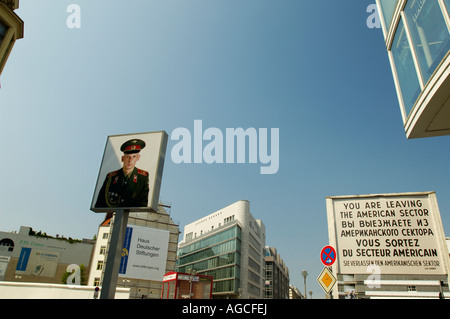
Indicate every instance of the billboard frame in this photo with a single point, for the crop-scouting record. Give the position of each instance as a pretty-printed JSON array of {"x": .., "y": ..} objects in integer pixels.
[{"x": 155, "y": 165}]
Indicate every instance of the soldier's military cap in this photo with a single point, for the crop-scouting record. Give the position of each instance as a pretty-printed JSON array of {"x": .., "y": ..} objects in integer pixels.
[{"x": 132, "y": 146}]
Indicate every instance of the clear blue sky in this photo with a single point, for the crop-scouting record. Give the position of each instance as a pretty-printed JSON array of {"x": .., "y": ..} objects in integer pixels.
[{"x": 313, "y": 69}]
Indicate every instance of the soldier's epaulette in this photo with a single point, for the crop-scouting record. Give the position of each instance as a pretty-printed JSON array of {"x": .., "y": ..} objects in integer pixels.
[
  {"x": 113, "y": 173},
  {"x": 142, "y": 172}
]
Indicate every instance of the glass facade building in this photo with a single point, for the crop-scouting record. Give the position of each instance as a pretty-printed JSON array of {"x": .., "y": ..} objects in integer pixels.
[
  {"x": 229, "y": 246},
  {"x": 218, "y": 256},
  {"x": 417, "y": 37}
]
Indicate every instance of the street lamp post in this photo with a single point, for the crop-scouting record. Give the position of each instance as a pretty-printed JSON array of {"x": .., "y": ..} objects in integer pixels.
[
  {"x": 192, "y": 274},
  {"x": 305, "y": 274}
]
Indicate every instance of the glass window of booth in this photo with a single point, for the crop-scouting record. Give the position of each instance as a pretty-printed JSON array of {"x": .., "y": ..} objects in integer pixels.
[{"x": 405, "y": 69}]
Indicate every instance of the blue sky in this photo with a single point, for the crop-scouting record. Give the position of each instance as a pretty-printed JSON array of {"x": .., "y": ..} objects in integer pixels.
[{"x": 313, "y": 69}]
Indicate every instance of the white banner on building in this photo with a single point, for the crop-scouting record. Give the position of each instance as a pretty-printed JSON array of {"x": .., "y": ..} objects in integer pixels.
[
  {"x": 399, "y": 233},
  {"x": 144, "y": 254}
]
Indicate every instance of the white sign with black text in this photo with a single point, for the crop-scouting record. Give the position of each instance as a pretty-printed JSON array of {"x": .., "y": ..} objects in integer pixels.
[{"x": 400, "y": 233}]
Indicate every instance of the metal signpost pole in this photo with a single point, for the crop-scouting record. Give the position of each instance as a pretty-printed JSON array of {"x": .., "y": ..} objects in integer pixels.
[{"x": 114, "y": 254}]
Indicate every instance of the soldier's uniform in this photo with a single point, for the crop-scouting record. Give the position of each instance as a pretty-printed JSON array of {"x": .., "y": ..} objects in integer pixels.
[{"x": 119, "y": 190}]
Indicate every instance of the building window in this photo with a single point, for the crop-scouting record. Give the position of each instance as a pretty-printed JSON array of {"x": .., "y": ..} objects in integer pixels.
[
  {"x": 102, "y": 250},
  {"x": 405, "y": 69},
  {"x": 412, "y": 288},
  {"x": 253, "y": 289},
  {"x": 227, "y": 234},
  {"x": 387, "y": 8},
  {"x": 100, "y": 265},
  {"x": 225, "y": 286},
  {"x": 219, "y": 249},
  {"x": 228, "y": 219},
  {"x": 96, "y": 281},
  {"x": 429, "y": 34},
  {"x": 254, "y": 265},
  {"x": 105, "y": 235},
  {"x": 3, "y": 30}
]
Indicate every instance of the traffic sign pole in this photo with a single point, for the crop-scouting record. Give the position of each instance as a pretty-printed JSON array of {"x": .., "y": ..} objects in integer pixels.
[
  {"x": 111, "y": 273},
  {"x": 326, "y": 279}
]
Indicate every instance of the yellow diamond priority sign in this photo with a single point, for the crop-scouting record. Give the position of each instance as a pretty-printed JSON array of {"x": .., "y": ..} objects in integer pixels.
[{"x": 326, "y": 279}]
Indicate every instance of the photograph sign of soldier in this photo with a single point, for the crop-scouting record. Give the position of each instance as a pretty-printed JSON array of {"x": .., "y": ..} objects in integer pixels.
[{"x": 130, "y": 172}]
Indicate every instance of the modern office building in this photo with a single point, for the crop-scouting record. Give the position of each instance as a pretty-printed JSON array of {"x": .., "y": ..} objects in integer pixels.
[
  {"x": 11, "y": 29},
  {"x": 140, "y": 288},
  {"x": 417, "y": 39},
  {"x": 276, "y": 284},
  {"x": 228, "y": 245}
]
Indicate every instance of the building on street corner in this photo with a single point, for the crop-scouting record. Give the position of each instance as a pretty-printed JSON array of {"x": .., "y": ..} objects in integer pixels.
[
  {"x": 227, "y": 245},
  {"x": 277, "y": 275}
]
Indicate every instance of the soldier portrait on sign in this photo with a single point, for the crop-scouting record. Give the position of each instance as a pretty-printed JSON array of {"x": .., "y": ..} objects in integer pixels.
[
  {"x": 131, "y": 171},
  {"x": 128, "y": 186}
]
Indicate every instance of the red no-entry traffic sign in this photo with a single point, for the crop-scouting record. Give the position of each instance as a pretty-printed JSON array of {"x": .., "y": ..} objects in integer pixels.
[{"x": 328, "y": 255}]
